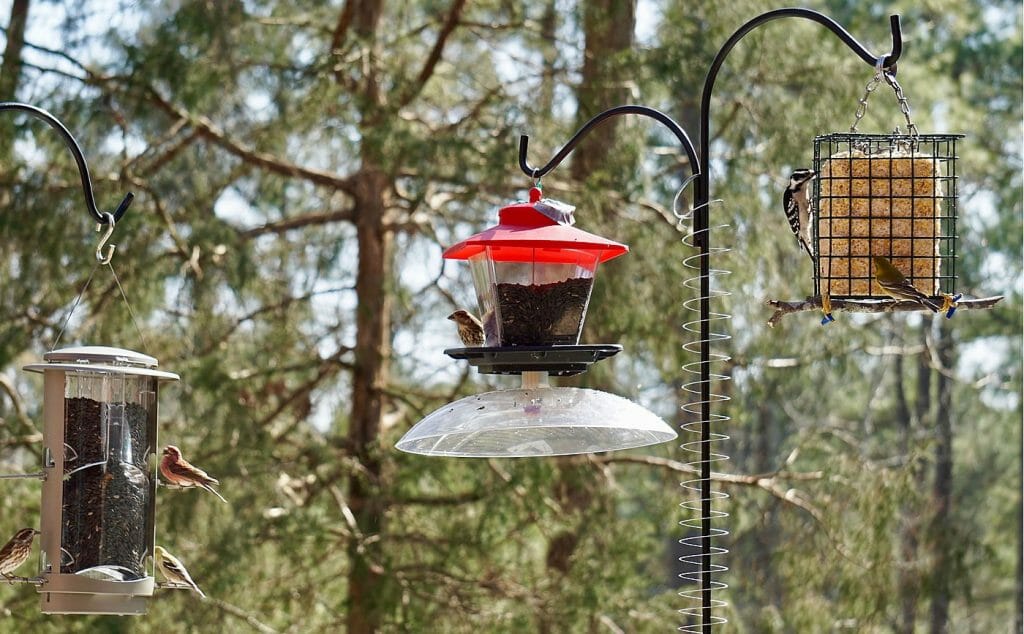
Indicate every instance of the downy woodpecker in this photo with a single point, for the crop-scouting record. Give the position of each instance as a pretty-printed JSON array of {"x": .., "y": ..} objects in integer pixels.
[{"x": 797, "y": 206}]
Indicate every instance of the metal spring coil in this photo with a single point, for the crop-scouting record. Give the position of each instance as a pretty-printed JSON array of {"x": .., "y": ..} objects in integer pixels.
[{"x": 691, "y": 563}]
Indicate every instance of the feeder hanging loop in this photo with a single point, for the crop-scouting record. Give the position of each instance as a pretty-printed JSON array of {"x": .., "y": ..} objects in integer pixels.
[
  {"x": 862, "y": 103},
  {"x": 102, "y": 258}
]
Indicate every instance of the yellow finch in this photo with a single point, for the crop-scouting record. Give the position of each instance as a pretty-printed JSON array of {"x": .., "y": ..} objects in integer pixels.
[
  {"x": 173, "y": 570},
  {"x": 178, "y": 471},
  {"x": 896, "y": 285},
  {"x": 16, "y": 551},
  {"x": 471, "y": 331}
]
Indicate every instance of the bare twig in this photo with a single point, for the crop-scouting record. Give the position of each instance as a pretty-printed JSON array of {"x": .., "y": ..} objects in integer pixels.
[
  {"x": 16, "y": 402},
  {"x": 769, "y": 483},
  {"x": 282, "y": 226},
  {"x": 248, "y": 617},
  {"x": 450, "y": 22}
]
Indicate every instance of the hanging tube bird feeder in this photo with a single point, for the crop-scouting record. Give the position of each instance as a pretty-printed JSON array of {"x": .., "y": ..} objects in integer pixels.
[{"x": 99, "y": 496}]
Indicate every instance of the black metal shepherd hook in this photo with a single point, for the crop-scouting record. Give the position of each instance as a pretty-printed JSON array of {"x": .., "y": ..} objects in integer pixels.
[
  {"x": 699, "y": 164},
  {"x": 83, "y": 169}
]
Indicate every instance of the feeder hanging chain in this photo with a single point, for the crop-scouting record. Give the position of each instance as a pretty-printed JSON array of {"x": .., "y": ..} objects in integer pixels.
[
  {"x": 862, "y": 104},
  {"x": 890, "y": 78}
]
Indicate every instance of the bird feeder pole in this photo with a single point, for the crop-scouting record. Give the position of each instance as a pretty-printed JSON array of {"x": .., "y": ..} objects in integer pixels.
[{"x": 699, "y": 168}]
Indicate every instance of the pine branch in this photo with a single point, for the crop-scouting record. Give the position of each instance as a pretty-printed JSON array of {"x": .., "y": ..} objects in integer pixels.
[
  {"x": 209, "y": 131},
  {"x": 248, "y": 617},
  {"x": 450, "y": 22}
]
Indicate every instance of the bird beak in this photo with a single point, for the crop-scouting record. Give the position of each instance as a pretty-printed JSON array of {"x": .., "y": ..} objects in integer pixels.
[
  {"x": 37, "y": 532},
  {"x": 451, "y": 317}
]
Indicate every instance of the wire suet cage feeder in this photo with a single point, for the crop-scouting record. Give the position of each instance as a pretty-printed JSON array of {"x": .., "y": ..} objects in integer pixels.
[
  {"x": 893, "y": 196},
  {"x": 884, "y": 206}
]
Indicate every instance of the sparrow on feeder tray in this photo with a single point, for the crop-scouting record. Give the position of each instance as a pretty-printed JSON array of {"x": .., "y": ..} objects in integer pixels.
[{"x": 471, "y": 331}]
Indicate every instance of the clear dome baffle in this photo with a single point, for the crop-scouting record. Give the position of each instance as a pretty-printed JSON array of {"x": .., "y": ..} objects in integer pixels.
[{"x": 540, "y": 421}]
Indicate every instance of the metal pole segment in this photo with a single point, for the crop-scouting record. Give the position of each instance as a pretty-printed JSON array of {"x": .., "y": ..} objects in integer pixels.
[{"x": 76, "y": 151}]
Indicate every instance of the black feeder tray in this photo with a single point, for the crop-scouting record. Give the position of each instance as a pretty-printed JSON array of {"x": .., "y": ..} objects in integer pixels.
[{"x": 555, "y": 360}]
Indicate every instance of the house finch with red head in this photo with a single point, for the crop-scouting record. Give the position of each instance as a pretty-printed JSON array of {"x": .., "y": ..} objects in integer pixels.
[
  {"x": 471, "y": 331},
  {"x": 16, "y": 552},
  {"x": 178, "y": 471},
  {"x": 173, "y": 570},
  {"x": 896, "y": 285}
]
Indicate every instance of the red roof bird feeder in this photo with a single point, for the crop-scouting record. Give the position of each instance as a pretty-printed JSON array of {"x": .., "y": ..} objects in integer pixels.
[{"x": 533, "y": 273}]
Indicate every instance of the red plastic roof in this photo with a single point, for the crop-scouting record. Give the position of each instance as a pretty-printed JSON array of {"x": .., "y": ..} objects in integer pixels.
[{"x": 524, "y": 234}]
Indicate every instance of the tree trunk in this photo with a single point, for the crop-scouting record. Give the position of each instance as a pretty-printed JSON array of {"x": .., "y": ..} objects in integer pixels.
[
  {"x": 608, "y": 27},
  {"x": 367, "y": 589},
  {"x": 548, "y": 32},
  {"x": 942, "y": 490},
  {"x": 907, "y": 579},
  {"x": 10, "y": 74},
  {"x": 366, "y": 582},
  {"x": 608, "y": 30}
]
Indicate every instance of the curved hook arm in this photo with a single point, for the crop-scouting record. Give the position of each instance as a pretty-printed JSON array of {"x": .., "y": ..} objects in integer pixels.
[
  {"x": 675, "y": 128},
  {"x": 76, "y": 150},
  {"x": 702, "y": 187}
]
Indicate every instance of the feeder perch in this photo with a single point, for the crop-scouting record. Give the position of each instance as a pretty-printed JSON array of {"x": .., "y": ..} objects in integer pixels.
[{"x": 99, "y": 495}]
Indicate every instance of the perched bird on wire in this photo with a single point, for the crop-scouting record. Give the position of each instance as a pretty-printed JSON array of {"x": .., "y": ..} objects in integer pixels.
[
  {"x": 471, "y": 331},
  {"x": 896, "y": 285},
  {"x": 797, "y": 206},
  {"x": 16, "y": 551},
  {"x": 173, "y": 570},
  {"x": 178, "y": 471}
]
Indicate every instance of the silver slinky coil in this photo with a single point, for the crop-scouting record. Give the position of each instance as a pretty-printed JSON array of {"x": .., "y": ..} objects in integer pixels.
[{"x": 693, "y": 541}]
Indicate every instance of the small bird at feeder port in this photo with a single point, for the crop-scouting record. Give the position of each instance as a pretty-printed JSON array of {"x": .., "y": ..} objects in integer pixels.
[
  {"x": 471, "y": 331},
  {"x": 797, "y": 206},
  {"x": 173, "y": 570},
  {"x": 896, "y": 285},
  {"x": 180, "y": 472},
  {"x": 16, "y": 551}
]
